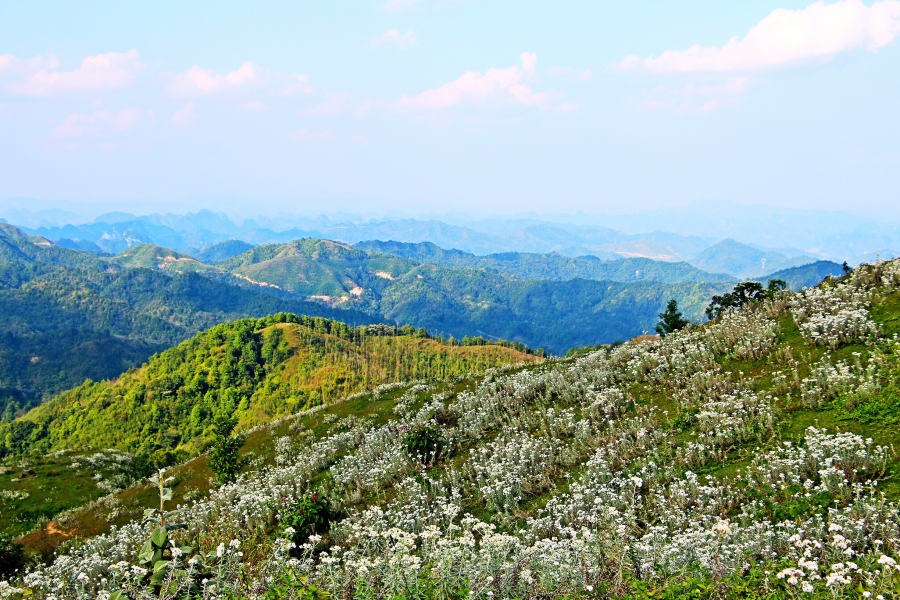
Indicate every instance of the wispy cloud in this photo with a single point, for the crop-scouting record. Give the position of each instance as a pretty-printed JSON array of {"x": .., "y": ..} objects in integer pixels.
[
  {"x": 395, "y": 37},
  {"x": 495, "y": 87},
  {"x": 197, "y": 82},
  {"x": 185, "y": 115},
  {"x": 100, "y": 73},
  {"x": 816, "y": 33},
  {"x": 79, "y": 125}
]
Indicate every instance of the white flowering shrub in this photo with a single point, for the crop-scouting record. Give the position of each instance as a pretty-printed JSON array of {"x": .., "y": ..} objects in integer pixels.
[
  {"x": 574, "y": 477},
  {"x": 834, "y": 314}
]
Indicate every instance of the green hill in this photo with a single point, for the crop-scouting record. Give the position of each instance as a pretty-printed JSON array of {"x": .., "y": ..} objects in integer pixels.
[
  {"x": 148, "y": 256},
  {"x": 809, "y": 275},
  {"x": 729, "y": 256},
  {"x": 555, "y": 315},
  {"x": 223, "y": 251},
  {"x": 252, "y": 370},
  {"x": 552, "y": 266},
  {"x": 749, "y": 457},
  {"x": 68, "y": 315}
]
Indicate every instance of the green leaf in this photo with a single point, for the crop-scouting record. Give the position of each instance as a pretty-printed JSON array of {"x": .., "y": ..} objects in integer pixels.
[
  {"x": 159, "y": 537},
  {"x": 118, "y": 595},
  {"x": 146, "y": 553}
]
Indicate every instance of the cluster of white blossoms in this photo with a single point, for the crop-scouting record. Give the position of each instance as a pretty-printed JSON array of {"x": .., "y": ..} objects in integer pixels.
[
  {"x": 835, "y": 313},
  {"x": 615, "y": 494}
]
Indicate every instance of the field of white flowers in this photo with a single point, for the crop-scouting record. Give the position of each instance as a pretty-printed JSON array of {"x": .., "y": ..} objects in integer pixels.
[{"x": 689, "y": 465}]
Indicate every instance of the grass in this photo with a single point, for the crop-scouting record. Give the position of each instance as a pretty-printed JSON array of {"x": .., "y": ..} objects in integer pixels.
[{"x": 843, "y": 413}]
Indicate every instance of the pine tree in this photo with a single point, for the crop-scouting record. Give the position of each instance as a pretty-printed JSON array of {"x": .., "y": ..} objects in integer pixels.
[{"x": 671, "y": 320}]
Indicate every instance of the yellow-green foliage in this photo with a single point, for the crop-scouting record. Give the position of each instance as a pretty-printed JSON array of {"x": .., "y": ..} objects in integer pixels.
[{"x": 253, "y": 370}]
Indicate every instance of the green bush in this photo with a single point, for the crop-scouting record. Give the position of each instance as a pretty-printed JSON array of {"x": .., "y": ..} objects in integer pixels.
[
  {"x": 425, "y": 443},
  {"x": 311, "y": 514},
  {"x": 12, "y": 556},
  {"x": 224, "y": 457}
]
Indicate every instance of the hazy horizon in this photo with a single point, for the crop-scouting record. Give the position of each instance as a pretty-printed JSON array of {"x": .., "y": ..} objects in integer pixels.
[{"x": 453, "y": 106}]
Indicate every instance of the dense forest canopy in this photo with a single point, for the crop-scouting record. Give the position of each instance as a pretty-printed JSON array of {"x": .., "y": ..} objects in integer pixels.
[{"x": 253, "y": 370}]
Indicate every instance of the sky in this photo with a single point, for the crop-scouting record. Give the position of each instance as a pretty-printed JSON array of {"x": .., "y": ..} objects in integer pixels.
[{"x": 452, "y": 105}]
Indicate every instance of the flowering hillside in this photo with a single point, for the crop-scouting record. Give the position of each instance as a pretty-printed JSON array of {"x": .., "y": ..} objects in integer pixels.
[{"x": 750, "y": 457}]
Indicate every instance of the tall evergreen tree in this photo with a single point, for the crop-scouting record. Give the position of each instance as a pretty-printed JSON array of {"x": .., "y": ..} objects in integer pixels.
[{"x": 671, "y": 319}]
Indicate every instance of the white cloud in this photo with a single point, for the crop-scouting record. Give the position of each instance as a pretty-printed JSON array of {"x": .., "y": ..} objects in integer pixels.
[
  {"x": 197, "y": 82},
  {"x": 816, "y": 33},
  {"x": 394, "y": 36},
  {"x": 185, "y": 115},
  {"x": 305, "y": 134},
  {"x": 12, "y": 65},
  {"x": 79, "y": 125},
  {"x": 99, "y": 73},
  {"x": 495, "y": 87},
  {"x": 361, "y": 139}
]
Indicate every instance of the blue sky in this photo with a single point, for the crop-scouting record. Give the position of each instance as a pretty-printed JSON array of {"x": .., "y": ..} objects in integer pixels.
[{"x": 452, "y": 105}]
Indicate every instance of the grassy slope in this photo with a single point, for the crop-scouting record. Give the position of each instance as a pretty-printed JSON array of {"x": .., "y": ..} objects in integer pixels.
[
  {"x": 149, "y": 256},
  {"x": 874, "y": 416},
  {"x": 320, "y": 367}
]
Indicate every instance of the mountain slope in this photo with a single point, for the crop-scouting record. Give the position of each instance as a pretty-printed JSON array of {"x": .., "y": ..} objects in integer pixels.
[
  {"x": 809, "y": 275},
  {"x": 222, "y": 251},
  {"x": 252, "y": 370},
  {"x": 740, "y": 260},
  {"x": 149, "y": 256},
  {"x": 750, "y": 457},
  {"x": 552, "y": 266},
  {"x": 67, "y": 315},
  {"x": 469, "y": 301}
]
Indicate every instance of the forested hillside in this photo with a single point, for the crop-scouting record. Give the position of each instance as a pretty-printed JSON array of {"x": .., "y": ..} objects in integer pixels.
[
  {"x": 809, "y": 275},
  {"x": 254, "y": 370},
  {"x": 749, "y": 457},
  {"x": 67, "y": 315},
  {"x": 552, "y": 266},
  {"x": 555, "y": 315}
]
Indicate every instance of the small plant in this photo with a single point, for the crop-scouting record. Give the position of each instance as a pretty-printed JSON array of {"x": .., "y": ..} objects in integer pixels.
[
  {"x": 425, "y": 443},
  {"x": 312, "y": 514},
  {"x": 224, "y": 457}
]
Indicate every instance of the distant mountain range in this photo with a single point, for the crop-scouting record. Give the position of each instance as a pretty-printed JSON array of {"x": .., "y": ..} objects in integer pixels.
[
  {"x": 675, "y": 233},
  {"x": 196, "y": 234},
  {"x": 66, "y": 315},
  {"x": 552, "y": 266}
]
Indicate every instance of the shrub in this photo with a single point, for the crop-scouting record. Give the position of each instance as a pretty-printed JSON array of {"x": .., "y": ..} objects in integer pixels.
[
  {"x": 12, "y": 556},
  {"x": 311, "y": 514},
  {"x": 425, "y": 443}
]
